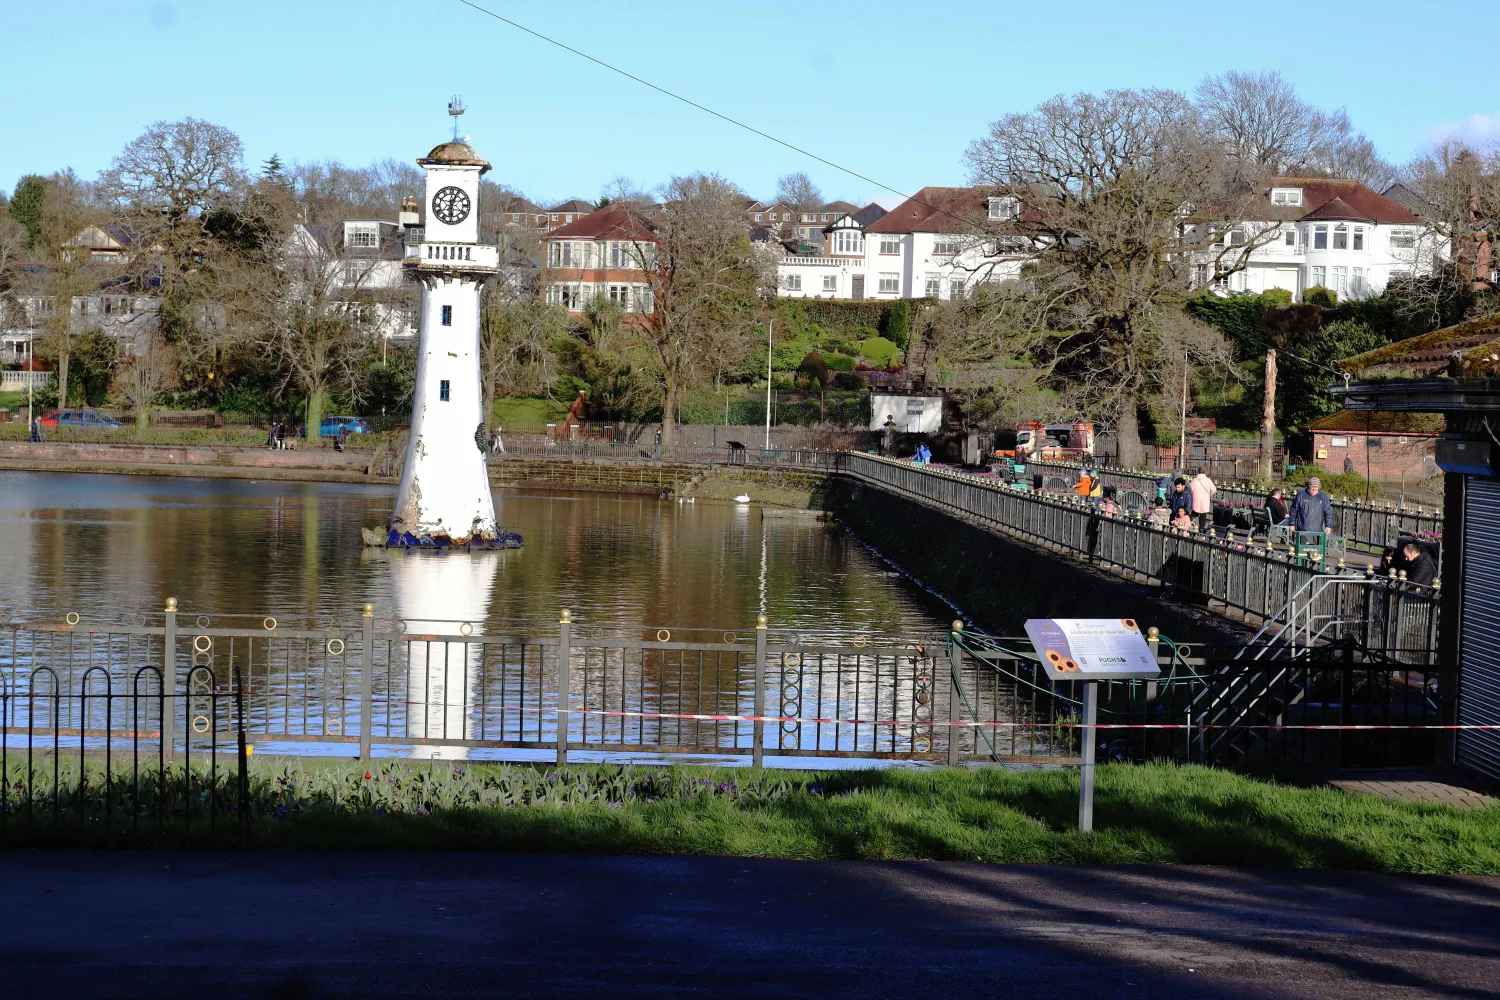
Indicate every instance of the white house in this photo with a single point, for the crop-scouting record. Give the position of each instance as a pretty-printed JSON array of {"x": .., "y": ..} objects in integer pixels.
[
  {"x": 362, "y": 259},
  {"x": 928, "y": 246},
  {"x": 1313, "y": 231}
]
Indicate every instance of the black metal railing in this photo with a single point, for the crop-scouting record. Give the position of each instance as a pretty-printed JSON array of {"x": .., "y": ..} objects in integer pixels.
[
  {"x": 1375, "y": 526},
  {"x": 100, "y": 757},
  {"x": 1218, "y": 571}
]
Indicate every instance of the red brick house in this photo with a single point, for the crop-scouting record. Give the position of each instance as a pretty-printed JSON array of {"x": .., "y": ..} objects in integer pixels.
[
  {"x": 1382, "y": 446},
  {"x": 604, "y": 254}
]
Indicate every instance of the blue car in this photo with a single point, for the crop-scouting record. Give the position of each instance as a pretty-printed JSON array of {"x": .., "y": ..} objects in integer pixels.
[
  {"x": 332, "y": 427},
  {"x": 82, "y": 419}
]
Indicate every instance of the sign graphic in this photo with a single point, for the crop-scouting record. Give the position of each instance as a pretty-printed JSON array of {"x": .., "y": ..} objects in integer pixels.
[{"x": 1092, "y": 649}]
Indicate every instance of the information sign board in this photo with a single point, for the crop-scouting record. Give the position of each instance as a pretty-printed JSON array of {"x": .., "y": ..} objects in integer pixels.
[{"x": 1092, "y": 649}]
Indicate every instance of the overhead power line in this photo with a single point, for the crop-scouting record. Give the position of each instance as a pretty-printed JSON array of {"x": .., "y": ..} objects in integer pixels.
[{"x": 690, "y": 102}]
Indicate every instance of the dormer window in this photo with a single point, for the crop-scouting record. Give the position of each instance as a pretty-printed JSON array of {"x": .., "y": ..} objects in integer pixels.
[
  {"x": 362, "y": 234},
  {"x": 1005, "y": 208},
  {"x": 1290, "y": 197}
]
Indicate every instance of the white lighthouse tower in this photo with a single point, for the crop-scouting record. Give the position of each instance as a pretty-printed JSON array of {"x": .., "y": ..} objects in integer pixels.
[{"x": 445, "y": 491}]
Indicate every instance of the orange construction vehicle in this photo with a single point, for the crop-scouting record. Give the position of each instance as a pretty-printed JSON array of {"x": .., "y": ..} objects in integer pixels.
[{"x": 1074, "y": 440}]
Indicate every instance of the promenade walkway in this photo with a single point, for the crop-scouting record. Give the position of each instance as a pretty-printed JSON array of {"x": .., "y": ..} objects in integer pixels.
[{"x": 311, "y": 925}]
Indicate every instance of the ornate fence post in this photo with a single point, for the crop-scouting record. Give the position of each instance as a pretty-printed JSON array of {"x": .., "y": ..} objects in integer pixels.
[
  {"x": 366, "y": 670},
  {"x": 169, "y": 677},
  {"x": 758, "y": 743},
  {"x": 564, "y": 683},
  {"x": 955, "y": 691}
]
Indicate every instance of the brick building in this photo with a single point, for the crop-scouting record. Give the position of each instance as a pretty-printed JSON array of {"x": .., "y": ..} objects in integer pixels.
[
  {"x": 1385, "y": 447},
  {"x": 604, "y": 255}
]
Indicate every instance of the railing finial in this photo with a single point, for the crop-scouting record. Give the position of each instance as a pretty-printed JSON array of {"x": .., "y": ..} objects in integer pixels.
[{"x": 171, "y": 604}]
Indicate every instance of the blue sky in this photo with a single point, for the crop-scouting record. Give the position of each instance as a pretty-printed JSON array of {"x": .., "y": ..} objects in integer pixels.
[{"x": 893, "y": 90}]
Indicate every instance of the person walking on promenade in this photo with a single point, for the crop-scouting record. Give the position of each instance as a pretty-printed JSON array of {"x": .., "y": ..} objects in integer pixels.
[
  {"x": 497, "y": 445},
  {"x": 1202, "y": 489},
  {"x": 1276, "y": 505},
  {"x": 1085, "y": 484},
  {"x": 1311, "y": 509},
  {"x": 36, "y": 430}
]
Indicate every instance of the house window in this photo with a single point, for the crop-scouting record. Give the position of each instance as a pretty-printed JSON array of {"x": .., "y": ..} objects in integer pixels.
[
  {"x": 890, "y": 244},
  {"x": 1286, "y": 196},
  {"x": 447, "y": 315},
  {"x": 830, "y": 282},
  {"x": 827, "y": 216},
  {"x": 643, "y": 299},
  {"x": 792, "y": 282},
  {"x": 620, "y": 295},
  {"x": 361, "y": 234},
  {"x": 1316, "y": 278},
  {"x": 1341, "y": 281},
  {"x": 934, "y": 286},
  {"x": 848, "y": 241},
  {"x": 944, "y": 246},
  {"x": 1341, "y": 237},
  {"x": 1291, "y": 237},
  {"x": 1005, "y": 209},
  {"x": 1359, "y": 237},
  {"x": 890, "y": 282},
  {"x": 1320, "y": 237},
  {"x": 809, "y": 217},
  {"x": 1403, "y": 239},
  {"x": 955, "y": 288},
  {"x": 1235, "y": 238},
  {"x": 443, "y": 390},
  {"x": 1356, "y": 282},
  {"x": 760, "y": 216}
]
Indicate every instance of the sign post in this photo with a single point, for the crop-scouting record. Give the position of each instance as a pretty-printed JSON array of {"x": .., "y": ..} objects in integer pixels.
[{"x": 1091, "y": 650}]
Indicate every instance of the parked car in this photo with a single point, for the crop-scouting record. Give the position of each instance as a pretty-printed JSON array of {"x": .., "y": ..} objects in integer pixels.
[
  {"x": 332, "y": 427},
  {"x": 87, "y": 419}
]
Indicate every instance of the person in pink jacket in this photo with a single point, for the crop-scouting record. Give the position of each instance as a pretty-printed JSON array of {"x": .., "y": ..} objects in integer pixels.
[{"x": 1203, "y": 489}]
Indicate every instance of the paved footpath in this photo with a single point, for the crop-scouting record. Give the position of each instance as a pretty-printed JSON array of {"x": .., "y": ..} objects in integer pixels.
[{"x": 313, "y": 925}]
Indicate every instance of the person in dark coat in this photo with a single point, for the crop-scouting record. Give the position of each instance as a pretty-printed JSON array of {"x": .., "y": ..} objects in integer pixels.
[
  {"x": 1179, "y": 498},
  {"x": 1311, "y": 509},
  {"x": 1420, "y": 567},
  {"x": 1276, "y": 505}
]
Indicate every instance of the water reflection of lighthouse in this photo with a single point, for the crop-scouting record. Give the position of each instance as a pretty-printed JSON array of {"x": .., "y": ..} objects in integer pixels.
[{"x": 437, "y": 594}]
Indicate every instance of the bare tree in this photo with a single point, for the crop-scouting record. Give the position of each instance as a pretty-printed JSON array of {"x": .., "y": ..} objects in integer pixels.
[
  {"x": 142, "y": 380},
  {"x": 1457, "y": 194},
  {"x": 174, "y": 172},
  {"x": 515, "y": 349},
  {"x": 799, "y": 192},
  {"x": 625, "y": 191},
  {"x": 1122, "y": 195},
  {"x": 706, "y": 284},
  {"x": 1268, "y": 129},
  {"x": 13, "y": 239}
]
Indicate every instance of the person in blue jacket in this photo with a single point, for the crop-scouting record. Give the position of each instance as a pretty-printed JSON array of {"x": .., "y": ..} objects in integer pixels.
[
  {"x": 1311, "y": 509},
  {"x": 1179, "y": 499}
]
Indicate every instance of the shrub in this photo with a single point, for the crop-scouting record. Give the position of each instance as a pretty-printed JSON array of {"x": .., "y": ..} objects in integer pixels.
[
  {"x": 1276, "y": 297},
  {"x": 1317, "y": 295},
  {"x": 878, "y": 350},
  {"x": 813, "y": 370},
  {"x": 839, "y": 363},
  {"x": 898, "y": 323},
  {"x": 1341, "y": 485}
]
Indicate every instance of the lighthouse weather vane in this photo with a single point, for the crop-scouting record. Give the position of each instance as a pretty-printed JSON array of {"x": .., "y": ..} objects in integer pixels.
[{"x": 456, "y": 108}]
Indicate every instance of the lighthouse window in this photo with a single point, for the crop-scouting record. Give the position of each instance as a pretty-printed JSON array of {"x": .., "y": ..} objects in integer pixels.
[
  {"x": 443, "y": 388},
  {"x": 447, "y": 321}
]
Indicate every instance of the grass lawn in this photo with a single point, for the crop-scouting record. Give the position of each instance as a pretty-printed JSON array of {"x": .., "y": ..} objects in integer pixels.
[
  {"x": 1143, "y": 814},
  {"x": 528, "y": 414}
]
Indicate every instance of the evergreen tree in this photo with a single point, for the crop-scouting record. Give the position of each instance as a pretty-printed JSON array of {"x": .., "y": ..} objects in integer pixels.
[
  {"x": 27, "y": 205},
  {"x": 272, "y": 170}
]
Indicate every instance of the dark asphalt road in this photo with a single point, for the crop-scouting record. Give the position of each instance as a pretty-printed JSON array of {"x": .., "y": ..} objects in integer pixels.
[{"x": 315, "y": 925}]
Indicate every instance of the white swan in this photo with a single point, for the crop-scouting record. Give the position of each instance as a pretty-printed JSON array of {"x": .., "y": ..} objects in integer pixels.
[{"x": 742, "y": 498}]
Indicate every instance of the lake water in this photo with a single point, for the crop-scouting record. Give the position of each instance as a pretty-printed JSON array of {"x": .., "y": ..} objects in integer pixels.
[{"x": 107, "y": 546}]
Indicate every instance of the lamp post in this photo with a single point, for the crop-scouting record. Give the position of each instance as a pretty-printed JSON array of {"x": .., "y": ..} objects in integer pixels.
[{"x": 770, "y": 329}]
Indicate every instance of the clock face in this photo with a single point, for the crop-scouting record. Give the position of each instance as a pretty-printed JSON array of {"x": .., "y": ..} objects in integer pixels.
[{"x": 450, "y": 205}]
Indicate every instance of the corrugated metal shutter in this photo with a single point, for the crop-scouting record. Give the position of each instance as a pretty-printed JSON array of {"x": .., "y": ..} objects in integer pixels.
[{"x": 1479, "y": 679}]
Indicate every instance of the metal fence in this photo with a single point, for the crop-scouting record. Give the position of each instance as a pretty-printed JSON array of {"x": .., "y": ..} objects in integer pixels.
[
  {"x": 1375, "y": 526},
  {"x": 146, "y": 724},
  {"x": 1398, "y": 617},
  {"x": 602, "y": 449}
]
